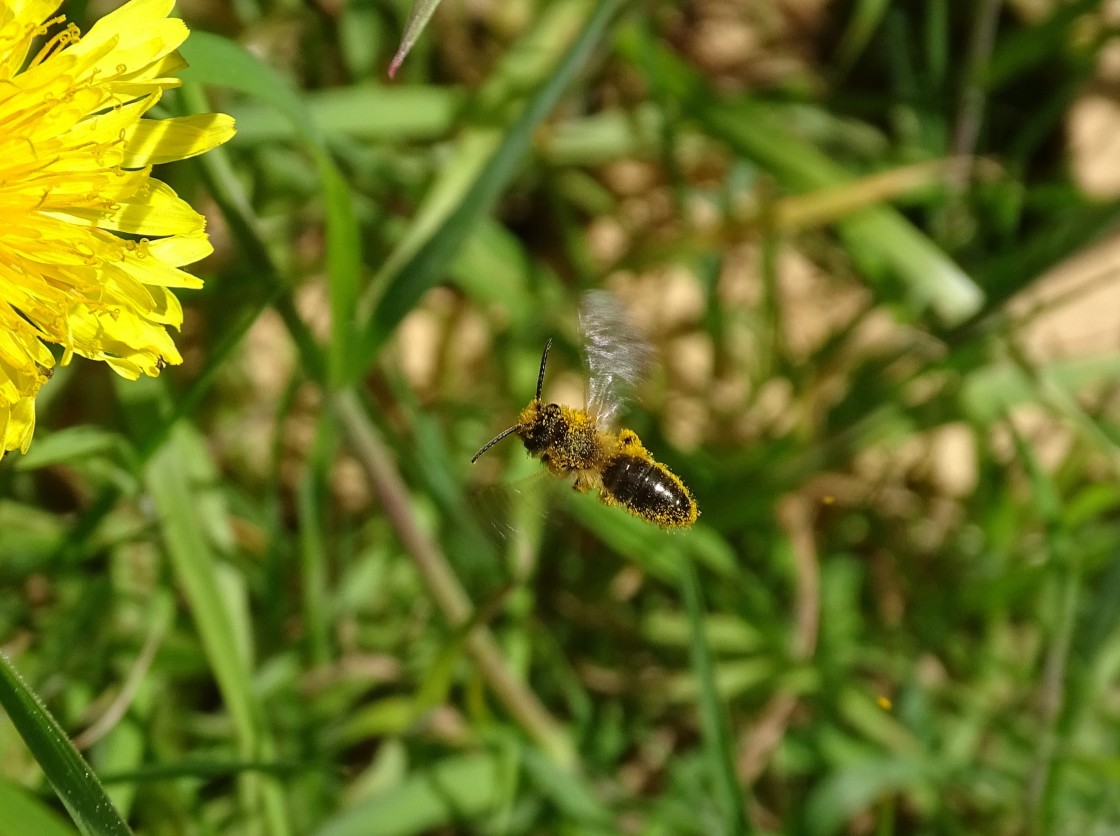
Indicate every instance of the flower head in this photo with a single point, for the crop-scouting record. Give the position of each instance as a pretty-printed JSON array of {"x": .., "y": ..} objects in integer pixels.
[{"x": 90, "y": 243}]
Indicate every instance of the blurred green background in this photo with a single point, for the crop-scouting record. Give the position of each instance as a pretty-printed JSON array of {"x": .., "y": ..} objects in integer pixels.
[{"x": 871, "y": 243}]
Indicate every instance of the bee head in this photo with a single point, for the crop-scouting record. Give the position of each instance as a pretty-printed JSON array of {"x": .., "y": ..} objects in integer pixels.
[
  {"x": 537, "y": 424},
  {"x": 541, "y": 426}
]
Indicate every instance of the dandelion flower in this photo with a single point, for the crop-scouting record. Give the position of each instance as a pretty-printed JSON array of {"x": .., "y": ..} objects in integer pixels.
[{"x": 90, "y": 243}]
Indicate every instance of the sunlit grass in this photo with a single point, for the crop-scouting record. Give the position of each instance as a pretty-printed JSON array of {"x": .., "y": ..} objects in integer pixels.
[{"x": 898, "y": 608}]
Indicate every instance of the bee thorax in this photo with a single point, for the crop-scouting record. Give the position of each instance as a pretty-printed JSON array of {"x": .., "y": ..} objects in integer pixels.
[{"x": 563, "y": 438}]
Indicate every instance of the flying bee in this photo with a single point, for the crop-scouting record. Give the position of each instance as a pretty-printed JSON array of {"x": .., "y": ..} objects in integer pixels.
[{"x": 581, "y": 442}]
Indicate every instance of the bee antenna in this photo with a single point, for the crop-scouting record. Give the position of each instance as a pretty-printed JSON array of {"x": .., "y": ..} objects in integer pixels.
[
  {"x": 516, "y": 427},
  {"x": 544, "y": 362},
  {"x": 494, "y": 441}
]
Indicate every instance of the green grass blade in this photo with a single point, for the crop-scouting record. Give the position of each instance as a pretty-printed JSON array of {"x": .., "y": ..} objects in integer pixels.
[
  {"x": 865, "y": 18},
  {"x": 71, "y": 777},
  {"x": 572, "y": 794},
  {"x": 229, "y": 193},
  {"x": 73, "y": 444},
  {"x": 431, "y": 257},
  {"x": 859, "y": 785},
  {"x": 717, "y": 735},
  {"x": 422, "y": 11},
  {"x": 219, "y": 61},
  {"x": 455, "y": 790},
  {"x": 217, "y": 610},
  {"x": 881, "y": 241},
  {"x": 414, "y": 113},
  {"x": 343, "y": 267},
  {"x": 443, "y": 584},
  {"x": 310, "y": 506},
  {"x": 24, "y": 813},
  {"x": 1029, "y": 46}
]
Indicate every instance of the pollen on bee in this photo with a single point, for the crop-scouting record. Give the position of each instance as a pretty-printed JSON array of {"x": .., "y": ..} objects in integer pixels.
[{"x": 578, "y": 444}]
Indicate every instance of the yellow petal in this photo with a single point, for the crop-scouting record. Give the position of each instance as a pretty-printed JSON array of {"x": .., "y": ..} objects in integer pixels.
[
  {"x": 131, "y": 345},
  {"x": 150, "y": 142},
  {"x": 145, "y": 266},
  {"x": 138, "y": 34},
  {"x": 154, "y": 210},
  {"x": 17, "y": 424},
  {"x": 76, "y": 192},
  {"x": 178, "y": 250}
]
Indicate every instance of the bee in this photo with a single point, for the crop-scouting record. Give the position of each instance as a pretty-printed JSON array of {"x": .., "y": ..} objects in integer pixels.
[{"x": 581, "y": 443}]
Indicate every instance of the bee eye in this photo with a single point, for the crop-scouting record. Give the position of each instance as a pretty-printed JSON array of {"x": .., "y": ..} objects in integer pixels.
[{"x": 545, "y": 430}]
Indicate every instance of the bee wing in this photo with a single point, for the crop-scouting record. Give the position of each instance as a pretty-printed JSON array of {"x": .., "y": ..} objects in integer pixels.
[
  {"x": 618, "y": 358},
  {"x": 508, "y": 509}
]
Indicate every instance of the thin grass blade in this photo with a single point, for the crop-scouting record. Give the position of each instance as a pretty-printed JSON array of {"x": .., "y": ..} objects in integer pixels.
[
  {"x": 218, "y": 611},
  {"x": 71, "y": 777},
  {"x": 881, "y": 241},
  {"x": 430, "y": 262},
  {"x": 717, "y": 735},
  {"x": 221, "y": 62},
  {"x": 422, "y": 11}
]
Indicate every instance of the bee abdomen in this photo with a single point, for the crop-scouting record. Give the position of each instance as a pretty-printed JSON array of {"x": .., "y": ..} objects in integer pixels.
[{"x": 647, "y": 489}]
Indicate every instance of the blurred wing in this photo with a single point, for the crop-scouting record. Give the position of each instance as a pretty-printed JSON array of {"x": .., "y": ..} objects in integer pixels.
[
  {"x": 617, "y": 356},
  {"x": 509, "y": 510}
]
